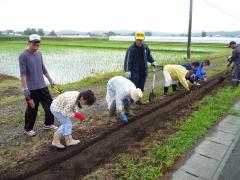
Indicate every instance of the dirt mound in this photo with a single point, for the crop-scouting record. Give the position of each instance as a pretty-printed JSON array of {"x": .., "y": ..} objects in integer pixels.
[
  {"x": 6, "y": 77},
  {"x": 76, "y": 162}
]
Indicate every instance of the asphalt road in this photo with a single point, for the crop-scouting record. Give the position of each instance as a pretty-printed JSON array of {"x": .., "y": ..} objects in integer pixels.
[{"x": 231, "y": 170}]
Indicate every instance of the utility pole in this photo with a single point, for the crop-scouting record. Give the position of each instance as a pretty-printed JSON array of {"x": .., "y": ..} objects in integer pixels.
[{"x": 189, "y": 31}]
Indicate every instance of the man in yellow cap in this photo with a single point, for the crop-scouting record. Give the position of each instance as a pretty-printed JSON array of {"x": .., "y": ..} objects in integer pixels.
[{"x": 135, "y": 65}]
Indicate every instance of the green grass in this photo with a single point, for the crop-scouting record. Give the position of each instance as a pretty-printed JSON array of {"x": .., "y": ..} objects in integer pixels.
[
  {"x": 98, "y": 79},
  {"x": 163, "y": 154},
  {"x": 165, "y": 53},
  {"x": 10, "y": 85},
  {"x": 235, "y": 112},
  {"x": 106, "y": 44}
]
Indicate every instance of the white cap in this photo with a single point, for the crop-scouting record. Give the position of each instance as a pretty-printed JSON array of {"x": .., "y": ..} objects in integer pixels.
[
  {"x": 34, "y": 37},
  {"x": 136, "y": 94}
]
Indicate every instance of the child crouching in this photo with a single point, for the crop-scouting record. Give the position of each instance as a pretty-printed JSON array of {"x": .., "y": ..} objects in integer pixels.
[{"x": 66, "y": 106}]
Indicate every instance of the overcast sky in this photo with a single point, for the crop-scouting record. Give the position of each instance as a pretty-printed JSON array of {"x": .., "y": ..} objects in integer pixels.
[{"x": 88, "y": 15}]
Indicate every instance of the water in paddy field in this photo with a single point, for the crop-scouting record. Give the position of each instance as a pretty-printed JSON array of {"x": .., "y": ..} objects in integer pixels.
[{"x": 67, "y": 65}]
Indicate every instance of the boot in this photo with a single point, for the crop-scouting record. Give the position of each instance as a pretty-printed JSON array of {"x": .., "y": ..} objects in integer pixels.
[
  {"x": 56, "y": 141},
  {"x": 70, "y": 141},
  {"x": 128, "y": 111},
  {"x": 112, "y": 118},
  {"x": 175, "y": 87},
  {"x": 166, "y": 92}
]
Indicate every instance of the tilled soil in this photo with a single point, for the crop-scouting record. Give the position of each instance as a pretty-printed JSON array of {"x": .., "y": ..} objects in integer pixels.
[{"x": 104, "y": 143}]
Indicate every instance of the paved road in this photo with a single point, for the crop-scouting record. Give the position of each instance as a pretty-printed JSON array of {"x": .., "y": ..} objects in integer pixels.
[
  {"x": 231, "y": 170},
  {"x": 217, "y": 157}
]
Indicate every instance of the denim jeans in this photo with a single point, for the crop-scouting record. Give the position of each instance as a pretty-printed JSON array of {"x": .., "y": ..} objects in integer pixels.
[{"x": 65, "y": 123}]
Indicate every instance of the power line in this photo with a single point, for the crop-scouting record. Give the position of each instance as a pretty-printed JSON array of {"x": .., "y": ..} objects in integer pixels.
[{"x": 221, "y": 10}]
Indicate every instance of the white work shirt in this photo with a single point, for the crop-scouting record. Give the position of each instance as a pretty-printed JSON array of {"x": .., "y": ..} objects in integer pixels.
[{"x": 118, "y": 89}]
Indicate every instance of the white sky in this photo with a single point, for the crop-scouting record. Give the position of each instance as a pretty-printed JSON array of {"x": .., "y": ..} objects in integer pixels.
[{"x": 88, "y": 15}]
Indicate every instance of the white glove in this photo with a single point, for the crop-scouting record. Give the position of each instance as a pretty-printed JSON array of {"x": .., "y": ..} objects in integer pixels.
[
  {"x": 196, "y": 83},
  {"x": 128, "y": 74},
  {"x": 229, "y": 58},
  {"x": 154, "y": 64}
]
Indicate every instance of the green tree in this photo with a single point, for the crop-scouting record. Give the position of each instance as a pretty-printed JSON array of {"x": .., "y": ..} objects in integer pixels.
[
  {"x": 27, "y": 31},
  {"x": 148, "y": 33},
  {"x": 204, "y": 34},
  {"x": 40, "y": 32},
  {"x": 30, "y": 31},
  {"x": 52, "y": 33},
  {"x": 111, "y": 33}
]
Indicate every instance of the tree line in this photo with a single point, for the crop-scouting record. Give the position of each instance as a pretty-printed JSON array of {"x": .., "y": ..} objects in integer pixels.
[{"x": 40, "y": 32}]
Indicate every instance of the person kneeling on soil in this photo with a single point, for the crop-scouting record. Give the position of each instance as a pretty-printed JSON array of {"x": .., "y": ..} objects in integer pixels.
[
  {"x": 197, "y": 69},
  {"x": 66, "y": 106},
  {"x": 174, "y": 74},
  {"x": 120, "y": 91}
]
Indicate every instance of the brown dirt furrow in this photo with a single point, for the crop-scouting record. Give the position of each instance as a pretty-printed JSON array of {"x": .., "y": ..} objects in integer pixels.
[{"x": 76, "y": 162}]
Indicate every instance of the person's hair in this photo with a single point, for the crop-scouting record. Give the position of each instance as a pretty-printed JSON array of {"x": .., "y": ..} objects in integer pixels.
[
  {"x": 88, "y": 96},
  {"x": 190, "y": 76},
  {"x": 195, "y": 64},
  {"x": 207, "y": 62}
]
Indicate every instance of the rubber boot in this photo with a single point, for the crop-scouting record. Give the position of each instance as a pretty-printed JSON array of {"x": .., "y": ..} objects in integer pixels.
[
  {"x": 112, "y": 118},
  {"x": 175, "y": 87},
  {"x": 56, "y": 141},
  {"x": 70, "y": 141},
  {"x": 166, "y": 92}
]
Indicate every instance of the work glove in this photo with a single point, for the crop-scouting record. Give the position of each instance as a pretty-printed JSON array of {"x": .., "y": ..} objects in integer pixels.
[
  {"x": 154, "y": 64},
  {"x": 79, "y": 116},
  {"x": 128, "y": 74},
  {"x": 54, "y": 87},
  {"x": 196, "y": 83},
  {"x": 229, "y": 58},
  {"x": 51, "y": 83},
  {"x": 26, "y": 93},
  {"x": 29, "y": 101},
  {"x": 123, "y": 117}
]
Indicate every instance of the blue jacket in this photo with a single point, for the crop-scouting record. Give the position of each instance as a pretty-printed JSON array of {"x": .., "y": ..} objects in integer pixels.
[
  {"x": 199, "y": 72},
  {"x": 132, "y": 63}
]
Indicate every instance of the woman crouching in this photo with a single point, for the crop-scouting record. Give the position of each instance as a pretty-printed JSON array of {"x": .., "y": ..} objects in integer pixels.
[{"x": 66, "y": 106}]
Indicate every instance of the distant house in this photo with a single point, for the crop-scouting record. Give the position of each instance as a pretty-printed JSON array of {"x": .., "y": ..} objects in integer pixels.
[{"x": 7, "y": 32}]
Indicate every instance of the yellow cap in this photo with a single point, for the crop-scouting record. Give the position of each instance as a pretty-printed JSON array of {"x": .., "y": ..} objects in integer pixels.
[{"x": 140, "y": 35}]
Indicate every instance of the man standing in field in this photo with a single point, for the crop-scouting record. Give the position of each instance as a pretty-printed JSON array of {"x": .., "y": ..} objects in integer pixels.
[
  {"x": 135, "y": 65},
  {"x": 236, "y": 59},
  {"x": 32, "y": 72}
]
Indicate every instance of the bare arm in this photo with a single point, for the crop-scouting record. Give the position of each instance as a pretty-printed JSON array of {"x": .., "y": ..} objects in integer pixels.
[
  {"x": 24, "y": 82},
  {"x": 49, "y": 78}
]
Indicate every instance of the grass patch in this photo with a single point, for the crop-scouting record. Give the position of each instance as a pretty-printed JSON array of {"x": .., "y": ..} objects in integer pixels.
[
  {"x": 163, "y": 154},
  {"x": 234, "y": 112},
  {"x": 98, "y": 79}
]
